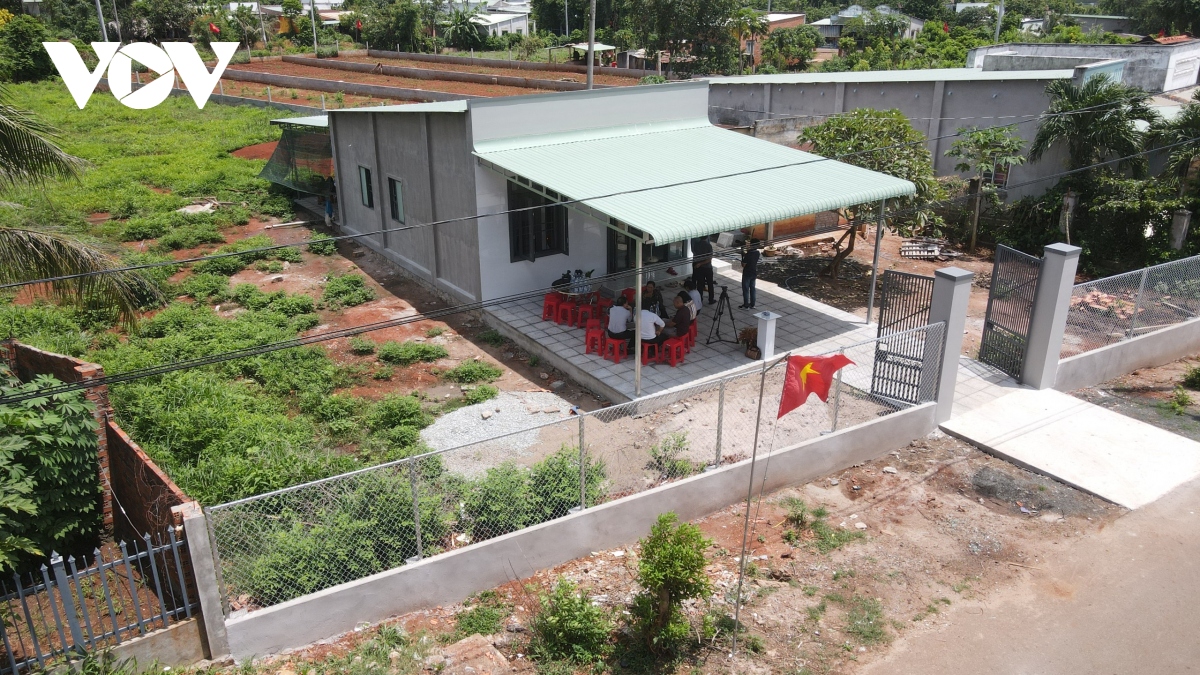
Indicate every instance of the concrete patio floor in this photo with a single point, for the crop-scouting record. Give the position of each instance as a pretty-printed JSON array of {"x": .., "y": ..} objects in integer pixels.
[{"x": 816, "y": 327}]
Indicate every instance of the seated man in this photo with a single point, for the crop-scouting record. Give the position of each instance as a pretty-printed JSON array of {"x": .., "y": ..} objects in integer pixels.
[
  {"x": 697, "y": 300},
  {"x": 685, "y": 314},
  {"x": 652, "y": 328},
  {"x": 618, "y": 321},
  {"x": 652, "y": 299}
]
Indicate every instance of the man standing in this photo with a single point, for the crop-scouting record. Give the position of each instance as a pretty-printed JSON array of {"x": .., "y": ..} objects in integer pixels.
[
  {"x": 702, "y": 269},
  {"x": 750, "y": 258}
]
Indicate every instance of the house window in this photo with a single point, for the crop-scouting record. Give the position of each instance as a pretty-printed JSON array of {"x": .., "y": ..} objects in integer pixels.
[
  {"x": 998, "y": 178},
  {"x": 621, "y": 252},
  {"x": 364, "y": 187},
  {"x": 536, "y": 226},
  {"x": 396, "y": 199}
]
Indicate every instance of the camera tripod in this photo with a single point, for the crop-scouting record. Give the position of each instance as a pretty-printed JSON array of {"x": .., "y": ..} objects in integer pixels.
[{"x": 714, "y": 333}]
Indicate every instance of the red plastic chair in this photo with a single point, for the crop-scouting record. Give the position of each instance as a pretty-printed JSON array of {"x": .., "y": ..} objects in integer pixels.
[
  {"x": 550, "y": 306},
  {"x": 594, "y": 339},
  {"x": 658, "y": 353},
  {"x": 629, "y": 294},
  {"x": 566, "y": 313},
  {"x": 691, "y": 337},
  {"x": 587, "y": 313},
  {"x": 674, "y": 349},
  {"x": 604, "y": 304},
  {"x": 615, "y": 350}
]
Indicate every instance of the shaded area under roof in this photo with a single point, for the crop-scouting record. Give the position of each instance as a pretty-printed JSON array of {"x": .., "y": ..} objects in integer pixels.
[{"x": 677, "y": 176}]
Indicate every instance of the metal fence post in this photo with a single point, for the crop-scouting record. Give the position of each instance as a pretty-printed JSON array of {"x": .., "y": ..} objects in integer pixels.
[
  {"x": 720, "y": 422},
  {"x": 837, "y": 394},
  {"x": 1137, "y": 302},
  {"x": 416, "y": 497},
  {"x": 582, "y": 468},
  {"x": 68, "y": 601}
]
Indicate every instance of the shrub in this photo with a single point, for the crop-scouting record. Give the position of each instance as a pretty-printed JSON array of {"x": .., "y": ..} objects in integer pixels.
[
  {"x": 665, "y": 457},
  {"x": 670, "y": 571},
  {"x": 485, "y": 618},
  {"x": 383, "y": 373},
  {"x": 555, "y": 483},
  {"x": 361, "y": 346},
  {"x": 22, "y": 57},
  {"x": 322, "y": 244},
  {"x": 294, "y": 305},
  {"x": 288, "y": 255},
  {"x": 492, "y": 337},
  {"x": 212, "y": 287},
  {"x": 347, "y": 290},
  {"x": 499, "y": 503},
  {"x": 269, "y": 266},
  {"x": 190, "y": 236},
  {"x": 141, "y": 229},
  {"x": 470, "y": 372},
  {"x": 231, "y": 265},
  {"x": 484, "y": 392},
  {"x": 434, "y": 332},
  {"x": 407, "y": 353},
  {"x": 1192, "y": 379},
  {"x": 395, "y": 410},
  {"x": 568, "y": 627},
  {"x": 303, "y": 322}
]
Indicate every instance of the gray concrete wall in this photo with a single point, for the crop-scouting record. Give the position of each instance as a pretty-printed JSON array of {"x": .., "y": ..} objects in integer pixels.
[
  {"x": 935, "y": 107},
  {"x": 448, "y": 75},
  {"x": 1014, "y": 61},
  {"x": 1154, "y": 68},
  {"x": 1145, "y": 351},
  {"x": 177, "y": 646},
  {"x": 452, "y": 576},
  {"x": 356, "y": 88}
]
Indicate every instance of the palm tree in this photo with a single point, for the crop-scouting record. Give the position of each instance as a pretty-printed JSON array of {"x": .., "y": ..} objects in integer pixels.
[
  {"x": 747, "y": 24},
  {"x": 1183, "y": 133},
  {"x": 28, "y": 155},
  {"x": 461, "y": 30},
  {"x": 1096, "y": 121}
]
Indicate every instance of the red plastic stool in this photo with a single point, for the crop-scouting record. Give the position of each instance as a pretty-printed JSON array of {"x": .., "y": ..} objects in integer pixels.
[
  {"x": 658, "y": 353},
  {"x": 629, "y": 294},
  {"x": 587, "y": 313},
  {"x": 565, "y": 313},
  {"x": 594, "y": 338},
  {"x": 592, "y": 323},
  {"x": 675, "y": 348},
  {"x": 604, "y": 303},
  {"x": 615, "y": 349},
  {"x": 550, "y": 306},
  {"x": 691, "y": 337}
]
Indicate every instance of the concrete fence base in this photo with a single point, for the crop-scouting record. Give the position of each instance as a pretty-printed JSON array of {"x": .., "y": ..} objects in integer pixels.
[
  {"x": 445, "y": 75},
  {"x": 333, "y": 86},
  {"x": 514, "y": 65},
  {"x": 452, "y": 576},
  {"x": 1144, "y": 351}
]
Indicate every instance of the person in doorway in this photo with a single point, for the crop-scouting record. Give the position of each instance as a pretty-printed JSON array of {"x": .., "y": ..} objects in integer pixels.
[
  {"x": 618, "y": 321},
  {"x": 750, "y": 258},
  {"x": 697, "y": 300},
  {"x": 685, "y": 314},
  {"x": 702, "y": 269},
  {"x": 652, "y": 328},
  {"x": 652, "y": 299}
]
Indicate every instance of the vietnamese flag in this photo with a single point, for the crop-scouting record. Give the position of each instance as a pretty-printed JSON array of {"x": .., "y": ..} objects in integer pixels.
[
  {"x": 945, "y": 27},
  {"x": 358, "y": 24},
  {"x": 809, "y": 375},
  {"x": 214, "y": 29}
]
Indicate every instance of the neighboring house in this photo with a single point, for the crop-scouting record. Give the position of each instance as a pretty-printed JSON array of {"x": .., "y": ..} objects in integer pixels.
[
  {"x": 1111, "y": 24},
  {"x": 502, "y": 23},
  {"x": 775, "y": 21},
  {"x": 831, "y": 28},
  {"x": 1155, "y": 64}
]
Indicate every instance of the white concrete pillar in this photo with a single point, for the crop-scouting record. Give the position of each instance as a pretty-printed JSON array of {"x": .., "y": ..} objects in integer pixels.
[
  {"x": 204, "y": 569},
  {"x": 766, "y": 333},
  {"x": 951, "y": 295},
  {"x": 1048, "y": 320}
]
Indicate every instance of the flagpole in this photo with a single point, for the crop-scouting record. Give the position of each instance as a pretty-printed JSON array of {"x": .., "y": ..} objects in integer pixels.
[{"x": 737, "y": 609}]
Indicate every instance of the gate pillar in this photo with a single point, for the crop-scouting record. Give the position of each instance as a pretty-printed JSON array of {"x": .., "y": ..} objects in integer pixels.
[
  {"x": 1049, "y": 317},
  {"x": 951, "y": 295}
]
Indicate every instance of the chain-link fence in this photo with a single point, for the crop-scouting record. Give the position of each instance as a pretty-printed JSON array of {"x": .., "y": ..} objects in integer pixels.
[
  {"x": 1117, "y": 308},
  {"x": 299, "y": 540}
]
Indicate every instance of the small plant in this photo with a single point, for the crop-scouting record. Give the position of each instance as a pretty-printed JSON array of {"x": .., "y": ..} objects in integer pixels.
[
  {"x": 1179, "y": 401},
  {"x": 492, "y": 337},
  {"x": 864, "y": 620},
  {"x": 567, "y": 627},
  {"x": 484, "y": 392},
  {"x": 408, "y": 353},
  {"x": 361, "y": 346},
  {"x": 346, "y": 290},
  {"x": 470, "y": 372},
  {"x": 383, "y": 373},
  {"x": 435, "y": 331},
  {"x": 534, "y": 360},
  {"x": 670, "y": 571},
  {"x": 817, "y": 611},
  {"x": 322, "y": 244},
  {"x": 485, "y": 618},
  {"x": 809, "y": 525},
  {"x": 269, "y": 266},
  {"x": 665, "y": 458}
]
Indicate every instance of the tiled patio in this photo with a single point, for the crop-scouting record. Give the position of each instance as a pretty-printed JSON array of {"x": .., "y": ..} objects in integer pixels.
[{"x": 805, "y": 323}]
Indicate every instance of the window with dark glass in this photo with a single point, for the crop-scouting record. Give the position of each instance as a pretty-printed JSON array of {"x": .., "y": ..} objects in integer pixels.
[
  {"x": 537, "y": 226},
  {"x": 396, "y": 199},
  {"x": 621, "y": 252},
  {"x": 364, "y": 187}
]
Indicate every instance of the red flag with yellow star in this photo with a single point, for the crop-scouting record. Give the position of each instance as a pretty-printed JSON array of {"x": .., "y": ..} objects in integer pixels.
[{"x": 809, "y": 375}]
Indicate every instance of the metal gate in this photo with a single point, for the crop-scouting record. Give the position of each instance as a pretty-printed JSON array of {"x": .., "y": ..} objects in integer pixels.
[
  {"x": 904, "y": 305},
  {"x": 1010, "y": 305}
]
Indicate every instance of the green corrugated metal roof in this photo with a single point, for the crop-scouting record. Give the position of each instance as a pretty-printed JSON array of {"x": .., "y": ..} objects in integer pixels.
[{"x": 690, "y": 163}]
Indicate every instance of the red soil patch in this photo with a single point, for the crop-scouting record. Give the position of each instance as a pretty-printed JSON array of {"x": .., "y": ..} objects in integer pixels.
[
  {"x": 257, "y": 151},
  {"x": 301, "y": 70}
]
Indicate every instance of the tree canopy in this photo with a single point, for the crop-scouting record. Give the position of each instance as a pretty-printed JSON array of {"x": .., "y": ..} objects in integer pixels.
[{"x": 1095, "y": 122}]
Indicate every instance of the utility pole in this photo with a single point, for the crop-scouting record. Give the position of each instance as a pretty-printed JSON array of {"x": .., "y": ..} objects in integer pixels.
[
  {"x": 117, "y": 18},
  {"x": 566, "y": 21},
  {"x": 313, "y": 5},
  {"x": 100, "y": 16},
  {"x": 999, "y": 20},
  {"x": 591, "y": 45}
]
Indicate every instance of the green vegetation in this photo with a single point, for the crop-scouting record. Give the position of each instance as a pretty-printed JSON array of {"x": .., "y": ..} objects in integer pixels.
[
  {"x": 864, "y": 620},
  {"x": 470, "y": 372},
  {"x": 492, "y": 337},
  {"x": 1179, "y": 402},
  {"x": 666, "y": 460},
  {"x": 567, "y": 627},
  {"x": 361, "y": 346},
  {"x": 407, "y": 353},
  {"x": 346, "y": 290},
  {"x": 484, "y": 392},
  {"x": 485, "y": 617},
  {"x": 511, "y": 497},
  {"x": 48, "y": 466},
  {"x": 809, "y": 526},
  {"x": 670, "y": 571},
  {"x": 1192, "y": 379},
  {"x": 322, "y": 244},
  {"x": 434, "y": 332}
]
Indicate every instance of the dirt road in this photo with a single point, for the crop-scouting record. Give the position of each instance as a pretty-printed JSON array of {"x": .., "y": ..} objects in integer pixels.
[{"x": 1120, "y": 601}]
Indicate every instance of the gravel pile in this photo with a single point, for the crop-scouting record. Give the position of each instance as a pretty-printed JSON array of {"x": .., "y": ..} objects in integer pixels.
[{"x": 503, "y": 416}]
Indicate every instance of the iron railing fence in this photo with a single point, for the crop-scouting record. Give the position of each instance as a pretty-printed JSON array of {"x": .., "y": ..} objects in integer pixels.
[
  {"x": 285, "y": 544},
  {"x": 1123, "y": 306},
  {"x": 66, "y": 608}
]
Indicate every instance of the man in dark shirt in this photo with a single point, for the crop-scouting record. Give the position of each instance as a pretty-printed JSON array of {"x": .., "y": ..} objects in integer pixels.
[
  {"x": 750, "y": 258},
  {"x": 702, "y": 269},
  {"x": 683, "y": 314}
]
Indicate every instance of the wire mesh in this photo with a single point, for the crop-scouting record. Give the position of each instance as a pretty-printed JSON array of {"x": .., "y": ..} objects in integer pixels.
[
  {"x": 1120, "y": 307},
  {"x": 292, "y": 542}
]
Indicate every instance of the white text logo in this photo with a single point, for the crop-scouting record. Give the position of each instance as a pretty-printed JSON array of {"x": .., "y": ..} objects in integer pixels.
[{"x": 165, "y": 60}]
